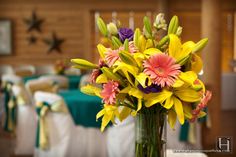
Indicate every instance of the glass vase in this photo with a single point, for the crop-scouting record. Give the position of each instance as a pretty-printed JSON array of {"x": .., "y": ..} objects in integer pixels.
[{"x": 150, "y": 132}]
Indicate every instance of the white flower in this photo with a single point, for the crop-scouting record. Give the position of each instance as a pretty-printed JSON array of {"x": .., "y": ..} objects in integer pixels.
[{"x": 160, "y": 22}]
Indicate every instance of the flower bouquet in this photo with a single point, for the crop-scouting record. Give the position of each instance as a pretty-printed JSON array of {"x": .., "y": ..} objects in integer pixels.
[
  {"x": 60, "y": 67},
  {"x": 149, "y": 77}
]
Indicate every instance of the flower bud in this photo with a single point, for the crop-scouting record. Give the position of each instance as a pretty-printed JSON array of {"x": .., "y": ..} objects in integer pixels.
[
  {"x": 173, "y": 26},
  {"x": 112, "y": 29},
  {"x": 200, "y": 45},
  {"x": 83, "y": 64},
  {"x": 160, "y": 22},
  {"x": 102, "y": 26}
]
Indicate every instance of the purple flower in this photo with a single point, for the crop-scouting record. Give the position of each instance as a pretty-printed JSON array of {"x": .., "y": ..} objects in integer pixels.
[
  {"x": 125, "y": 33},
  {"x": 153, "y": 88}
]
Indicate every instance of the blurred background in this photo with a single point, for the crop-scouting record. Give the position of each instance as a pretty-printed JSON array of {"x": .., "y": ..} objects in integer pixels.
[{"x": 42, "y": 33}]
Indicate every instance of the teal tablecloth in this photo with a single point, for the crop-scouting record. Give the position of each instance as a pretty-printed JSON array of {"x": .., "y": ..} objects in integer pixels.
[
  {"x": 83, "y": 108},
  {"x": 74, "y": 80}
]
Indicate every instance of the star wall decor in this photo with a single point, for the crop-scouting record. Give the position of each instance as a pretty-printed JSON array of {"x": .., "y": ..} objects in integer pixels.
[
  {"x": 32, "y": 39},
  {"x": 33, "y": 23},
  {"x": 54, "y": 43}
]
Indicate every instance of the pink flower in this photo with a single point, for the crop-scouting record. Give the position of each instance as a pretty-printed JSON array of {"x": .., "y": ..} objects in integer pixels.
[
  {"x": 112, "y": 56},
  {"x": 110, "y": 89},
  {"x": 94, "y": 75},
  {"x": 132, "y": 47},
  {"x": 162, "y": 69},
  {"x": 203, "y": 103}
]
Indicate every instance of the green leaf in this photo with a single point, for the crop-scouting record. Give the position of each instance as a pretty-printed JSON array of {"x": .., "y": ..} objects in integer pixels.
[
  {"x": 173, "y": 26},
  {"x": 102, "y": 26}
]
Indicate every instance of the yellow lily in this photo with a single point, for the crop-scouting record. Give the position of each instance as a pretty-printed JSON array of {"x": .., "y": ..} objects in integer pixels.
[
  {"x": 182, "y": 91},
  {"x": 178, "y": 51},
  {"x": 109, "y": 113}
]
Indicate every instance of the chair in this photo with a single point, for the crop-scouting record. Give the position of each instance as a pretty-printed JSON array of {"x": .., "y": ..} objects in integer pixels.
[
  {"x": 45, "y": 69},
  {"x": 85, "y": 79},
  {"x": 26, "y": 122},
  {"x": 72, "y": 71},
  {"x": 24, "y": 70},
  {"x": 66, "y": 139},
  {"x": 11, "y": 78},
  {"x": 61, "y": 81},
  {"x": 6, "y": 69},
  {"x": 59, "y": 126},
  {"x": 41, "y": 85}
]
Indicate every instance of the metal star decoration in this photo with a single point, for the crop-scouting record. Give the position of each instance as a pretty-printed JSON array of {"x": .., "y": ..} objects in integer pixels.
[
  {"x": 54, "y": 43},
  {"x": 33, "y": 23},
  {"x": 31, "y": 39}
]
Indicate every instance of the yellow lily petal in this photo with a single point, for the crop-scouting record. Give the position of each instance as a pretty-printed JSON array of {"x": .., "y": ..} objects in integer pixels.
[
  {"x": 141, "y": 78},
  {"x": 174, "y": 47},
  {"x": 110, "y": 113},
  {"x": 139, "y": 57},
  {"x": 134, "y": 113},
  {"x": 126, "y": 69},
  {"x": 178, "y": 83},
  {"x": 187, "y": 111},
  {"x": 149, "y": 44},
  {"x": 125, "y": 112},
  {"x": 178, "y": 51},
  {"x": 100, "y": 114},
  {"x": 179, "y": 110},
  {"x": 187, "y": 48},
  {"x": 136, "y": 93},
  {"x": 169, "y": 103},
  {"x": 91, "y": 90},
  {"x": 101, "y": 79},
  {"x": 196, "y": 63},
  {"x": 171, "y": 118},
  {"x": 151, "y": 51},
  {"x": 101, "y": 50},
  {"x": 157, "y": 97},
  {"x": 188, "y": 94},
  {"x": 142, "y": 43},
  {"x": 105, "y": 120},
  {"x": 188, "y": 77},
  {"x": 126, "y": 90}
]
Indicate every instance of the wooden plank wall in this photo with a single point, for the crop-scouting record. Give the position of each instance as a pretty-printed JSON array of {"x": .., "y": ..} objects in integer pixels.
[
  {"x": 68, "y": 21},
  {"x": 74, "y": 21}
]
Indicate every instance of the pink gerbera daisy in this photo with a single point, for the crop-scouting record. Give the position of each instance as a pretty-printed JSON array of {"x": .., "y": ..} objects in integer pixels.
[
  {"x": 110, "y": 89},
  {"x": 162, "y": 69},
  {"x": 111, "y": 57}
]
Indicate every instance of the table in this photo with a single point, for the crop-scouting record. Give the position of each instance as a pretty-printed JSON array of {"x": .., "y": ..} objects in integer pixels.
[
  {"x": 73, "y": 80},
  {"x": 83, "y": 108}
]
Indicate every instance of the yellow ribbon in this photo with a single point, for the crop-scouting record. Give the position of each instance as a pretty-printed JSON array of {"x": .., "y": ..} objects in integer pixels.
[{"x": 44, "y": 108}]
